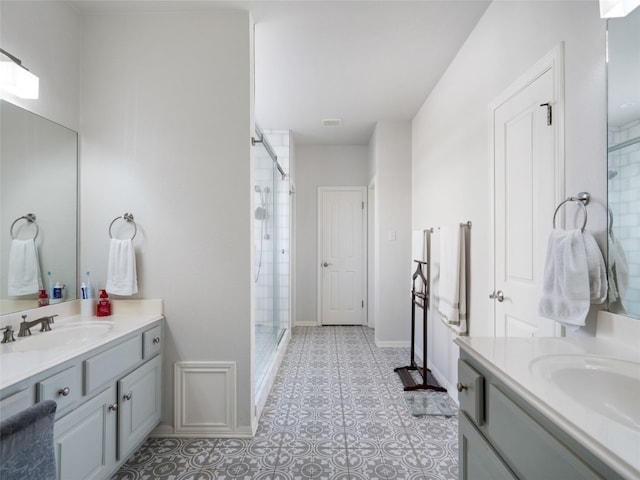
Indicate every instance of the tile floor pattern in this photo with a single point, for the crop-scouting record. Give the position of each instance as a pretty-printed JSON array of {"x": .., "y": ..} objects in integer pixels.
[{"x": 336, "y": 411}]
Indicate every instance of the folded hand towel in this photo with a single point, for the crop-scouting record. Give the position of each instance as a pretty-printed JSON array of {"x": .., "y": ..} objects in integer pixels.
[
  {"x": 24, "y": 268},
  {"x": 452, "y": 290},
  {"x": 122, "y": 278},
  {"x": 574, "y": 277}
]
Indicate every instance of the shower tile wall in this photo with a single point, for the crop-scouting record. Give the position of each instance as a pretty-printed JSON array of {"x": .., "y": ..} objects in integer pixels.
[
  {"x": 624, "y": 183},
  {"x": 279, "y": 140}
]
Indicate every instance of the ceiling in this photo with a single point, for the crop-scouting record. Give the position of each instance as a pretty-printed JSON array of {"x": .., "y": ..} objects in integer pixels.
[{"x": 360, "y": 61}]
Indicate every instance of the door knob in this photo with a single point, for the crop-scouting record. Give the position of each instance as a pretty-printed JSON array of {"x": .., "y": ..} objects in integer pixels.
[
  {"x": 499, "y": 295},
  {"x": 325, "y": 264}
]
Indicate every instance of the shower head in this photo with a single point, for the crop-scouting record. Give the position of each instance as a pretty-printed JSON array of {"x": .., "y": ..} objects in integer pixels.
[
  {"x": 266, "y": 190},
  {"x": 612, "y": 174},
  {"x": 257, "y": 189}
]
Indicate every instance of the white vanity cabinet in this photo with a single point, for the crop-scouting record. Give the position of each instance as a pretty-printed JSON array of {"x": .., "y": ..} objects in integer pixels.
[
  {"x": 502, "y": 436},
  {"x": 108, "y": 397}
]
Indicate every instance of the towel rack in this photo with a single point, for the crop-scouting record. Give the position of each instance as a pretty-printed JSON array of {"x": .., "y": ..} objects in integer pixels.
[
  {"x": 581, "y": 199},
  {"x": 465, "y": 224},
  {"x": 127, "y": 217},
  {"x": 30, "y": 218}
]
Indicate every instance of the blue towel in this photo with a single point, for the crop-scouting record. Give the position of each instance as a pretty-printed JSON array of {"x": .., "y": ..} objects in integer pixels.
[{"x": 26, "y": 444}]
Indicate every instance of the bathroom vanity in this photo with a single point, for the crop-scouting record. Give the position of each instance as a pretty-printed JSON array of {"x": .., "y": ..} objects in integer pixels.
[
  {"x": 552, "y": 408},
  {"x": 105, "y": 377}
]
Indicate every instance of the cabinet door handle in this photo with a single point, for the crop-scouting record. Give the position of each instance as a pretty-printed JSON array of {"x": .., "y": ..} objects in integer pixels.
[
  {"x": 113, "y": 407},
  {"x": 156, "y": 339},
  {"x": 64, "y": 391},
  {"x": 127, "y": 396},
  {"x": 461, "y": 387}
]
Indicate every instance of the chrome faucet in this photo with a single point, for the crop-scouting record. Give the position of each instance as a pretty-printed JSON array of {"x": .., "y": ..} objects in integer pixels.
[{"x": 26, "y": 326}]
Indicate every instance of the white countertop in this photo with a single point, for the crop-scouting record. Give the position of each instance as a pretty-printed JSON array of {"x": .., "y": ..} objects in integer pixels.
[
  {"x": 509, "y": 360},
  {"x": 18, "y": 363}
]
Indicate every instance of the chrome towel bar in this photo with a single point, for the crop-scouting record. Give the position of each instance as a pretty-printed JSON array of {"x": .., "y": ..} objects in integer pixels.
[{"x": 30, "y": 218}]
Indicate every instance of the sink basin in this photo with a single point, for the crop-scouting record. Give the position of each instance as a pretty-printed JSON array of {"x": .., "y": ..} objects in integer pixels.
[
  {"x": 608, "y": 386},
  {"x": 61, "y": 335}
]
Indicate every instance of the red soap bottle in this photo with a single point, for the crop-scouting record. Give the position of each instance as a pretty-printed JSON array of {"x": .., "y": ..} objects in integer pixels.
[
  {"x": 104, "y": 305},
  {"x": 43, "y": 299}
]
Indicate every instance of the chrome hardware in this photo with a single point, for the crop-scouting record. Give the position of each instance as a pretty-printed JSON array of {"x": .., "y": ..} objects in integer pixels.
[
  {"x": 64, "y": 391},
  {"x": 25, "y": 327},
  {"x": 7, "y": 335},
  {"x": 582, "y": 199},
  {"x": 325, "y": 264},
  {"x": 461, "y": 387},
  {"x": 499, "y": 295},
  {"x": 156, "y": 339},
  {"x": 113, "y": 407},
  {"x": 127, "y": 396}
]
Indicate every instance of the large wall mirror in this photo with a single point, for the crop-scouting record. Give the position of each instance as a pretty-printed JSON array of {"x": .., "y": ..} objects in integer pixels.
[
  {"x": 623, "y": 73},
  {"x": 38, "y": 176}
]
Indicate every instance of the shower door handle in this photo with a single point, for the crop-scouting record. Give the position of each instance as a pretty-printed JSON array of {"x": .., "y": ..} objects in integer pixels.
[{"x": 325, "y": 264}]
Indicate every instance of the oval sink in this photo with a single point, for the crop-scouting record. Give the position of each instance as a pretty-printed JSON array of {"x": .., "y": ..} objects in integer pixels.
[
  {"x": 61, "y": 335},
  {"x": 608, "y": 386}
]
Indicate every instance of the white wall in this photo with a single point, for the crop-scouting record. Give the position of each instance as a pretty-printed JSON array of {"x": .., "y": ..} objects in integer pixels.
[
  {"x": 318, "y": 166},
  {"x": 390, "y": 162},
  {"x": 165, "y": 134},
  {"x": 451, "y": 132},
  {"x": 46, "y": 36}
]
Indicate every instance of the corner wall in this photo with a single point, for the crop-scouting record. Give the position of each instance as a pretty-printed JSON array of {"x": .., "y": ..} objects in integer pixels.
[
  {"x": 451, "y": 134},
  {"x": 166, "y": 122},
  {"x": 390, "y": 166}
]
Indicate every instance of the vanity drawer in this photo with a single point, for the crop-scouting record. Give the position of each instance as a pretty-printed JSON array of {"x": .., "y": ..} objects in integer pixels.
[
  {"x": 64, "y": 388},
  {"x": 15, "y": 403},
  {"x": 471, "y": 392},
  {"x": 111, "y": 363},
  {"x": 151, "y": 342}
]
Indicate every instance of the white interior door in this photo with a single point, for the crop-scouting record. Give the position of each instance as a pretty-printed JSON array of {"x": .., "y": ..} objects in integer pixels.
[
  {"x": 341, "y": 248},
  {"x": 526, "y": 189}
]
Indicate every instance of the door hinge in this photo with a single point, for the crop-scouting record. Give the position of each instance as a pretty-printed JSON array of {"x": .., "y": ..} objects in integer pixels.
[
  {"x": 362, "y": 303},
  {"x": 549, "y": 112},
  {"x": 363, "y": 205}
]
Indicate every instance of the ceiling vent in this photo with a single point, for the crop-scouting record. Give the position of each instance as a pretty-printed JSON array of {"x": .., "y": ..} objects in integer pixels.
[{"x": 331, "y": 122}]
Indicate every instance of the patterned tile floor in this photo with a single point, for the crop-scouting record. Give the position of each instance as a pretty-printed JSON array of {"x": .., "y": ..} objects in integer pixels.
[{"x": 336, "y": 411}]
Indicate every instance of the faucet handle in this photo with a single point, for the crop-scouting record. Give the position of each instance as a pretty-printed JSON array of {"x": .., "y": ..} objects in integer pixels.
[
  {"x": 45, "y": 325},
  {"x": 7, "y": 335},
  {"x": 24, "y": 318}
]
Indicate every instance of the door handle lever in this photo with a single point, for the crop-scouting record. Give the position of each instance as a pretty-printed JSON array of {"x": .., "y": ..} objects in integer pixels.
[
  {"x": 499, "y": 295},
  {"x": 325, "y": 264}
]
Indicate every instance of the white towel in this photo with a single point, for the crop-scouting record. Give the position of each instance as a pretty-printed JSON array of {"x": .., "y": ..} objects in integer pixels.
[
  {"x": 618, "y": 270},
  {"x": 24, "y": 268},
  {"x": 452, "y": 289},
  {"x": 574, "y": 277},
  {"x": 122, "y": 278}
]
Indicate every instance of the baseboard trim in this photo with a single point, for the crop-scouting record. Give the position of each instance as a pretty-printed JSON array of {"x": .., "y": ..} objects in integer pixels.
[
  {"x": 393, "y": 344},
  {"x": 306, "y": 324}
]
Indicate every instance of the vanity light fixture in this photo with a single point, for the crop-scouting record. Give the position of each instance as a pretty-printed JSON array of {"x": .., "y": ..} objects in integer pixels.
[
  {"x": 617, "y": 8},
  {"x": 15, "y": 78}
]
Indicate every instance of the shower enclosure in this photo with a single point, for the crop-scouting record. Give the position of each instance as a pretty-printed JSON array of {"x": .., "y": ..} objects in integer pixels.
[{"x": 271, "y": 250}]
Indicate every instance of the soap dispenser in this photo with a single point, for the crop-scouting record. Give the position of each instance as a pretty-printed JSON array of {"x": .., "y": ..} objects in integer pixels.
[{"x": 104, "y": 305}]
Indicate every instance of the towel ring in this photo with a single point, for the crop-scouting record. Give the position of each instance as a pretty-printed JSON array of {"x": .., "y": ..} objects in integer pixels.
[
  {"x": 582, "y": 199},
  {"x": 127, "y": 217},
  {"x": 29, "y": 217}
]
